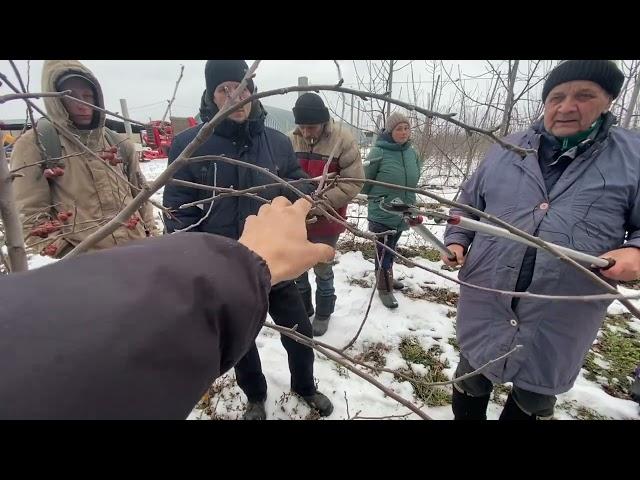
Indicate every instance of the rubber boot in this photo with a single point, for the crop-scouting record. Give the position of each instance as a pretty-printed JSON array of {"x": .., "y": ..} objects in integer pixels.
[
  {"x": 512, "y": 411},
  {"x": 255, "y": 411},
  {"x": 466, "y": 407},
  {"x": 385, "y": 292},
  {"x": 319, "y": 402},
  {"x": 325, "y": 307}
]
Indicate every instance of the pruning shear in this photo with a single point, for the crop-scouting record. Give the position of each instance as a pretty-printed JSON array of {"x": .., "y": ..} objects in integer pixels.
[
  {"x": 409, "y": 212},
  {"x": 400, "y": 208}
]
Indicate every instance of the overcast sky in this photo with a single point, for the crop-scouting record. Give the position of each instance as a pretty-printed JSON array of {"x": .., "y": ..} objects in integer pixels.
[{"x": 148, "y": 84}]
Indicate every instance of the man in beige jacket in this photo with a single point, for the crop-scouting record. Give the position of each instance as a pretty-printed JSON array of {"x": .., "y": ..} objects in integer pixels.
[
  {"x": 65, "y": 199},
  {"x": 313, "y": 141}
]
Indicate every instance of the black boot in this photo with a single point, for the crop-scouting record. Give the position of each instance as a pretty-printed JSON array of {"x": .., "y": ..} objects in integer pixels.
[
  {"x": 320, "y": 402},
  {"x": 255, "y": 411},
  {"x": 512, "y": 411},
  {"x": 635, "y": 388},
  {"x": 325, "y": 307},
  {"x": 466, "y": 407}
]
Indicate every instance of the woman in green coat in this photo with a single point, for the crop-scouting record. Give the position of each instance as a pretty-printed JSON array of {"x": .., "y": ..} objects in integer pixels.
[{"x": 391, "y": 160}]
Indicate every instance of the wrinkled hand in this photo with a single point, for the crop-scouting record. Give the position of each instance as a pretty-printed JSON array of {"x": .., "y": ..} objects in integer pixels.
[
  {"x": 278, "y": 234},
  {"x": 415, "y": 220},
  {"x": 459, "y": 252},
  {"x": 627, "y": 265}
]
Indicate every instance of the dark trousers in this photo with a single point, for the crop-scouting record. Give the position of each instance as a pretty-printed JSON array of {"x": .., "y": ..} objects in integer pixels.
[
  {"x": 389, "y": 240},
  {"x": 286, "y": 309},
  {"x": 530, "y": 403}
]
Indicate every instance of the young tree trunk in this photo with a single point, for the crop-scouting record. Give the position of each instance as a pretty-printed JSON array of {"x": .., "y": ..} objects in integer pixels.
[
  {"x": 508, "y": 105},
  {"x": 10, "y": 220},
  {"x": 634, "y": 98},
  {"x": 390, "y": 86}
]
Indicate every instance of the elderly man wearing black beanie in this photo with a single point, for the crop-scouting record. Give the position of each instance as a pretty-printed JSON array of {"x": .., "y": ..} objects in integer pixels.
[
  {"x": 244, "y": 136},
  {"x": 579, "y": 189}
]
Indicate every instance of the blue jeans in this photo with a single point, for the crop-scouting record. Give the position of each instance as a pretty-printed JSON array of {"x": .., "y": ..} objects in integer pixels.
[
  {"x": 323, "y": 271},
  {"x": 390, "y": 241}
]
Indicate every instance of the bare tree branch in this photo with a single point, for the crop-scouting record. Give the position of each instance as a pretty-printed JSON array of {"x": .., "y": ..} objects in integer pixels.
[
  {"x": 204, "y": 133},
  {"x": 173, "y": 97},
  {"x": 22, "y": 96},
  {"x": 541, "y": 243},
  {"x": 72, "y": 138},
  {"x": 310, "y": 343},
  {"x": 100, "y": 109}
]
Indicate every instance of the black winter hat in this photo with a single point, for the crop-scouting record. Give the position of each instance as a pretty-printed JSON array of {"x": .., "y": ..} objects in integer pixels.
[
  {"x": 310, "y": 110},
  {"x": 73, "y": 74},
  {"x": 603, "y": 72},
  {"x": 220, "y": 71}
]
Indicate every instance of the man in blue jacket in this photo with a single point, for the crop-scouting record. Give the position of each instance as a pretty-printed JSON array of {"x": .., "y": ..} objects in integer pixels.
[
  {"x": 244, "y": 136},
  {"x": 582, "y": 191}
]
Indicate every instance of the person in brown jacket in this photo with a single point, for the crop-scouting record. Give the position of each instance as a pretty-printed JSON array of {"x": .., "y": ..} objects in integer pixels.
[
  {"x": 313, "y": 141},
  {"x": 64, "y": 200},
  {"x": 130, "y": 353}
]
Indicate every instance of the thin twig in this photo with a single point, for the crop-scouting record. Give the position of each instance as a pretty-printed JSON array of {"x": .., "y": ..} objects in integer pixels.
[
  {"x": 310, "y": 343},
  {"x": 376, "y": 282},
  {"x": 100, "y": 109},
  {"x": 22, "y": 96},
  {"x": 516, "y": 231},
  {"x": 173, "y": 97},
  {"x": 72, "y": 138},
  {"x": 44, "y": 161},
  {"x": 148, "y": 190},
  {"x": 386, "y": 417},
  {"x": 41, "y": 149}
]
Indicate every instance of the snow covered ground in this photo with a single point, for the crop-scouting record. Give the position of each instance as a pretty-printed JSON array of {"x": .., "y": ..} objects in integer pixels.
[
  {"x": 416, "y": 322},
  {"x": 421, "y": 319}
]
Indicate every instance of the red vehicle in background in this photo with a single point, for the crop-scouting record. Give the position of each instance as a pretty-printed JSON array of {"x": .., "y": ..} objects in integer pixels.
[{"x": 157, "y": 139}]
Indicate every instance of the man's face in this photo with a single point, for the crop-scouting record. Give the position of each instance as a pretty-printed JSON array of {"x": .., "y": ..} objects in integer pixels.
[
  {"x": 222, "y": 94},
  {"x": 311, "y": 133},
  {"x": 79, "y": 114},
  {"x": 572, "y": 107}
]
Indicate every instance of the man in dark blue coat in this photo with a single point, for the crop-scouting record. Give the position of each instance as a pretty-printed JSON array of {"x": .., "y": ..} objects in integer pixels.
[{"x": 243, "y": 136}]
